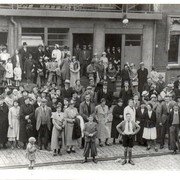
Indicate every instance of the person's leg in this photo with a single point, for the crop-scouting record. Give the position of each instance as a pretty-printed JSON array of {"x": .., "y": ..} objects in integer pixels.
[
  {"x": 130, "y": 156},
  {"x": 32, "y": 164},
  {"x": 106, "y": 142},
  {"x": 125, "y": 155},
  {"x": 163, "y": 133},
  {"x": 73, "y": 149},
  {"x": 155, "y": 146},
  {"x": 93, "y": 151},
  {"x": 114, "y": 140},
  {"x": 148, "y": 144},
  {"x": 86, "y": 151}
]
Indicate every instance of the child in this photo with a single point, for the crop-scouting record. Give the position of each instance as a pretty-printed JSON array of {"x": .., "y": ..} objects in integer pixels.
[
  {"x": 17, "y": 74},
  {"x": 128, "y": 129},
  {"x": 9, "y": 72},
  {"x": 90, "y": 131},
  {"x": 30, "y": 152}
]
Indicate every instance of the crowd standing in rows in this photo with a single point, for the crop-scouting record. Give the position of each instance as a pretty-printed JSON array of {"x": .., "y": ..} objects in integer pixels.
[{"x": 58, "y": 110}]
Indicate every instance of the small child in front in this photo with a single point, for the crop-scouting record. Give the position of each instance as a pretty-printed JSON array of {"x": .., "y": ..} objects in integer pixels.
[
  {"x": 90, "y": 131},
  {"x": 30, "y": 152},
  {"x": 128, "y": 129}
]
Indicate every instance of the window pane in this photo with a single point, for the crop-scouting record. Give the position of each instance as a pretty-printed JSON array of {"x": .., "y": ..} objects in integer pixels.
[
  {"x": 133, "y": 43},
  {"x": 173, "y": 49},
  {"x": 32, "y": 30},
  {"x": 58, "y": 30},
  {"x": 57, "y": 36},
  {"x": 133, "y": 37}
]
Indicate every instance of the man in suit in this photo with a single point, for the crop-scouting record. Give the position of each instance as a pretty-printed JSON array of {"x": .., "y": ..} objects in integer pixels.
[
  {"x": 166, "y": 107},
  {"x": 128, "y": 128},
  {"x": 86, "y": 109},
  {"x": 24, "y": 53},
  {"x": 67, "y": 91},
  {"x": 77, "y": 52},
  {"x": 84, "y": 60},
  {"x": 174, "y": 122},
  {"x": 43, "y": 123}
]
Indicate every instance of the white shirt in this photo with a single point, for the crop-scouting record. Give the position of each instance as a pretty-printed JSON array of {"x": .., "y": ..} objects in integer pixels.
[
  {"x": 128, "y": 128},
  {"x": 56, "y": 53},
  {"x": 130, "y": 110}
]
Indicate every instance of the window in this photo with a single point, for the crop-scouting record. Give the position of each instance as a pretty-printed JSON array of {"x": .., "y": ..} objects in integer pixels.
[
  {"x": 58, "y": 36},
  {"x": 173, "y": 49},
  {"x": 133, "y": 40}
]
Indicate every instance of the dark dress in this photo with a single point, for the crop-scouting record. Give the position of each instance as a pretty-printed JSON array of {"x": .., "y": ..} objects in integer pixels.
[
  {"x": 24, "y": 134},
  {"x": 126, "y": 95},
  {"x": 142, "y": 79},
  {"x": 125, "y": 77},
  {"x": 111, "y": 83},
  {"x": 3, "y": 123},
  {"x": 108, "y": 96},
  {"x": 141, "y": 117},
  {"x": 117, "y": 111}
]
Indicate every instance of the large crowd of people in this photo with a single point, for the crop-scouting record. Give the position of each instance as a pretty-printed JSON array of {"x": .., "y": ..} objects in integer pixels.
[{"x": 59, "y": 112}]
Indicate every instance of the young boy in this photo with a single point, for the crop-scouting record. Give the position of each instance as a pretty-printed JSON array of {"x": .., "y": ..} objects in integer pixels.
[
  {"x": 90, "y": 131},
  {"x": 128, "y": 129}
]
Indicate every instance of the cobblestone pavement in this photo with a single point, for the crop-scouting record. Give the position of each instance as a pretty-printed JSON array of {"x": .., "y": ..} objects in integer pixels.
[
  {"x": 16, "y": 158},
  {"x": 165, "y": 162}
]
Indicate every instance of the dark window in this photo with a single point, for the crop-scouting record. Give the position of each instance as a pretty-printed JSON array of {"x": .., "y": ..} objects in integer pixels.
[
  {"x": 133, "y": 40},
  {"x": 173, "y": 49}
]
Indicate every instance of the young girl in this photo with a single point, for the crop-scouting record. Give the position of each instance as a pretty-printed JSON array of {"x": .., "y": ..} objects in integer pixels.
[
  {"x": 9, "y": 72},
  {"x": 57, "y": 132},
  {"x": 30, "y": 152},
  {"x": 17, "y": 74}
]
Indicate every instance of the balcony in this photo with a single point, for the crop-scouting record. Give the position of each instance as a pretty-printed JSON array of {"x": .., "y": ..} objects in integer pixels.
[{"x": 123, "y": 8}]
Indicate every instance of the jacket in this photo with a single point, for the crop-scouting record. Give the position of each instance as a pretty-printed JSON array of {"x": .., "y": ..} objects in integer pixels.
[
  {"x": 76, "y": 134},
  {"x": 171, "y": 116},
  {"x": 90, "y": 129},
  {"x": 150, "y": 122}
]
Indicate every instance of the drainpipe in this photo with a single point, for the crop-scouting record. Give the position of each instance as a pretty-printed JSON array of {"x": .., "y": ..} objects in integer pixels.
[
  {"x": 154, "y": 43},
  {"x": 15, "y": 32}
]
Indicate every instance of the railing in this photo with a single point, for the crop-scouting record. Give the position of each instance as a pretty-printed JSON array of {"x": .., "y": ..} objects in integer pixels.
[{"x": 127, "y": 8}]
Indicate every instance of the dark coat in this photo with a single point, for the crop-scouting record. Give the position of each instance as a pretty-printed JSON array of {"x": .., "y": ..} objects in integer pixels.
[
  {"x": 67, "y": 93},
  {"x": 24, "y": 55},
  {"x": 176, "y": 84},
  {"x": 108, "y": 96},
  {"x": 38, "y": 54},
  {"x": 76, "y": 134},
  {"x": 90, "y": 129},
  {"x": 84, "y": 112},
  {"x": 150, "y": 122},
  {"x": 42, "y": 66},
  {"x": 171, "y": 116},
  {"x": 77, "y": 53},
  {"x": 24, "y": 111},
  {"x": 117, "y": 111},
  {"x": 125, "y": 76},
  {"x": 3, "y": 123},
  {"x": 28, "y": 66},
  {"x": 142, "y": 78},
  {"x": 177, "y": 93},
  {"x": 126, "y": 95}
]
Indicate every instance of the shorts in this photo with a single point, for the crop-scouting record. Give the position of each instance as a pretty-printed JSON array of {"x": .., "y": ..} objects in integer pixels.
[{"x": 128, "y": 140}]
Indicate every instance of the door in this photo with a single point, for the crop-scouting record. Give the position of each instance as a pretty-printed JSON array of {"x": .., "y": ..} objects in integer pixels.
[{"x": 132, "y": 49}]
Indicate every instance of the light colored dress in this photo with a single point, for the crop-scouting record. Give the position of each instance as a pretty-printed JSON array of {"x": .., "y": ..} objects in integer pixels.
[
  {"x": 101, "y": 114},
  {"x": 9, "y": 70},
  {"x": 69, "y": 115},
  {"x": 30, "y": 152},
  {"x": 13, "y": 117},
  {"x": 74, "y": 73},
  {"x": 56, "y": 53},
  {"x": 17, "y": 74},
  {"x": 57, "y": 131},
  {"x": 105, "y": 61}
]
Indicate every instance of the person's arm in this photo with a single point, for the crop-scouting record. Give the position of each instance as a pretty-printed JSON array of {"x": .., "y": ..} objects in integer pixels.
[
  {"x": 137, "y": 128},
  {"x": 10, "y": 118},
  {"x": 118, "y": 127},
  {"x": 84, "y": 116},
  {"x": 56, "y": 125},
  {"x": 85, "y": 131},
  {"x": 95, "y": 132}
]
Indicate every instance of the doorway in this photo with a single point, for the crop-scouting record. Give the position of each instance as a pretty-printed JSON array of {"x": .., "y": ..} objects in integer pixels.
[
  {"x": 3, "y": 39},
  {"x": 113, "y": 40}
]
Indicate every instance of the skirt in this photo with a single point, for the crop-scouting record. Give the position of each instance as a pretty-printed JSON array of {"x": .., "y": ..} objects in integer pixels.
[{"x": 150, "y": 133}]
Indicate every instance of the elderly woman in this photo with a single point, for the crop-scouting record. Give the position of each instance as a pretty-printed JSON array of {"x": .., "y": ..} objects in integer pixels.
[
  {"x": 57, "y": 138},
  {"x": 70, "y": 115},
  {"x": 101, "y": 115}
]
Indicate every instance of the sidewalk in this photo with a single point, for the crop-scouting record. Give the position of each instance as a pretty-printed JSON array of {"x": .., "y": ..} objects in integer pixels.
[{"x": 16, "y": 158}]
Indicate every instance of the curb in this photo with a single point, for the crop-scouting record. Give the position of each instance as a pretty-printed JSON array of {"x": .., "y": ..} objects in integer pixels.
[{"x": 80, "y": 160}]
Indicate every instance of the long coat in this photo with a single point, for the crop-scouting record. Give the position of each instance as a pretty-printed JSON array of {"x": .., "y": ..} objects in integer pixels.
[
  {"x": 84, "y": 112},
  {"x": 3, "y": 123},
  {"x": 25, "y": 110},
  {"x": 125, "y": 95},
  {"x": 108, "y": 96},
  {"x": 28, "y": 66},
  {"x": 117, "y": 111},
  {"x": 142, "y": 78}
]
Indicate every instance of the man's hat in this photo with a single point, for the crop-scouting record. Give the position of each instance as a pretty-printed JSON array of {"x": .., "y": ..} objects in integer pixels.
[
  {"x": 24, "y": 43},
  {"x": 104, "y": 53},
  {"x": 67, "y": 81},
  {"x": 153, "y": 96},
  {"x": 145, "y": 93}
]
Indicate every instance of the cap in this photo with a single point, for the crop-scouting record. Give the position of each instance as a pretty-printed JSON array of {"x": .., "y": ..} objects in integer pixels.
[
  {"x": 153, "y": 96},
  {"x": 104, "y": 53},
  {"x": 89, "y": 87},
  {"x": 57, "y": 45},
  {"x": 145, "y": 93},
  {"x": 32, "y": 139},
  {"x": 95, "y": 54},
  {"x": 46, "y": 58},
  {"x": 132, "y": 64},
  {"x": 71, "y": 101},
  {"x": 170, "y": 85},
  {"x": 67, "y": 81},
  {"x": 141, "y": 63},
  {"x": 73, "y": 57}
]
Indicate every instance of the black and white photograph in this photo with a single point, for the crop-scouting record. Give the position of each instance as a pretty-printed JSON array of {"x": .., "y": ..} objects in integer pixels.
[{"x": 89, "y": 86}]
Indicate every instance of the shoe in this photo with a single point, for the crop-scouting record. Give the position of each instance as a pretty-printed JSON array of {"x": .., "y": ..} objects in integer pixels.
[
  {"x": 54, "y": 154},
  {"x": 68, "y": 151},
  {"x": 84, "y": 161},
  {"x": 101, "y": 145},
  {"x": 124, "y": 162},
  {"x": 81, "y": 147},
  {"x": 148, "y": 148},
  {"x": 131, "y": 162},
  {"x": 73, "y": 151},
  {"x": 95, "y": 161},
  {"x": 60, "y": 154},
  {"x": 161, "y": 147},
  {"x": 107, "y": 144},
  {"x": 4, "y": 146},
  {"x": 114, "y": 143},
  {"x": 156, "y": 149},
  {"x": 174, "y": 152}
]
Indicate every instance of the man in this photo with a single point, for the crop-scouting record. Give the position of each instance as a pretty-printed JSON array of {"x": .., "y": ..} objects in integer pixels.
[
  {"x": 130, "y": 109},
  {"x": 166, "y": 107},
  {"x": 39, "y": 53},
  {"x": 67, "y": 91},
  {"x": 90, "y": 52},
  {"x": 86, "y": 110},
  {"x": 43, "y": 123},
  {"x": 160, "y": 85},
  {"x": 56, "y": 53},
  {"x": 84, "y": 60},
  {"x": 21, "y": 100},
  {"x": 128, "y": 128},
  {"x": 142, "y": 77},
  {"x": 91, "y": 70},
  {"x": 77, "y": 52},
  {"x": 174, "y": 122},
  {"x": 24, "y": 53},
  {"x": 177, "y": 82},
  {"x": 118, "y": 59}
]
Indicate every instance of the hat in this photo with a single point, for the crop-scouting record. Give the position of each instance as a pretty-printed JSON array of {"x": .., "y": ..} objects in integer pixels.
[
  {"x": 32, "y": 139},
  {"x": 46, "y": 58},
  {"x": 104, "y": 53},
  {"x": 132, "y": 64},
  {"x": 44, "y": 100},
  {"x": 141, "y": 63},
  {"x": 153, "y": 96},
  {"x": 170, "y": 85},
  {"x": 120, "y": 100},
  {"x": 24, "y": 43},
  {"x": 93, "y": 61},
  {"x": 89, "y": 87},
  {"x": 160, "y": 76},
  {"x": 67, "y": 81},
  {"x": 145, "y": 93},
  {"x": 73, "y": 57},
  {"x": 40, "y": 45}
]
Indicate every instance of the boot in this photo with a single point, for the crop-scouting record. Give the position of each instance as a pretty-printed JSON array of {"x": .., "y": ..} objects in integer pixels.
[
  {"x": 94, "y": 160},
  {"x": 125, "y": 158},
  {"x": 130, "y": 158}
]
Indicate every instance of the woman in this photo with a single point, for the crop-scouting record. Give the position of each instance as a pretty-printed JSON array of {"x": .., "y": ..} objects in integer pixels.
[
  {"x": 111, "y": 78},
  {"x": 17, "y": 59},
  {"x": 125, "y": 74},
  {"x": 70, "y": 115},
  {"x": 13, "y": 130},
  {"x": 101, "y": 115},
  {"x": 74, "y": 71},
  {"x": 65, "y": 104},
  {"x": 117, "y": 118},
  {"x": 78, "y": 87},
  {"x": 8, "y": 99},
  {"x": 104, "y": 59},
  {"x": 149, "y": 132},
  {"x": 57, "y": 138}
]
